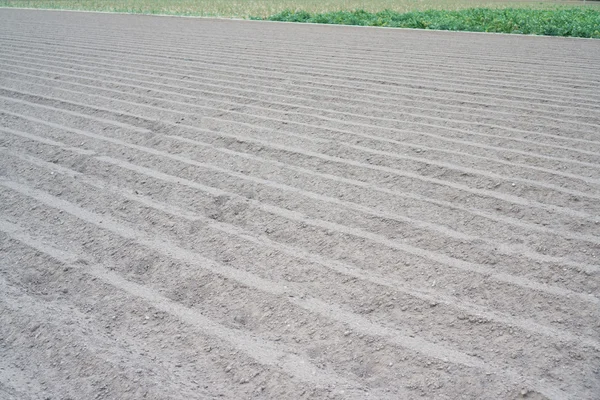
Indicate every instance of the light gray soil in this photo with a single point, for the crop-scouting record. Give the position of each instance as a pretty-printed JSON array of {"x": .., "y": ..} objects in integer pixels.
[{"x": 197, "y": 209}]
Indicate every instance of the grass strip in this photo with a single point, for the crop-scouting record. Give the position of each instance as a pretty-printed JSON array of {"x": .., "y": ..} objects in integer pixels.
[
  {"x": 575, "y": 22},
  {"x": 265, "y": 8}
]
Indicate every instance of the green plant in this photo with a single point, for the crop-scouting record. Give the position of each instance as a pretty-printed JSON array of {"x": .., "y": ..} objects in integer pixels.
[{"x": 577, "y": 22}]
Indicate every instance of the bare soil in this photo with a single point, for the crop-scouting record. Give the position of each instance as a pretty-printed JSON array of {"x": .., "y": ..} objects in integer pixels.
[{"x": 198, "y": 209}]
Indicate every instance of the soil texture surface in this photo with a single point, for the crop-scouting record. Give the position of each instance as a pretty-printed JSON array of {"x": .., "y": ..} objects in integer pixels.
[{"x": 207, "y": 209}]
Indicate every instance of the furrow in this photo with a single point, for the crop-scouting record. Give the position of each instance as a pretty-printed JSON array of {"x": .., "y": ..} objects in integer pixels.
[
  {"x": 286, "y": 114},
  {"x": 355, "y": 322},
  {"x": 358, "y": 81},
  {"x": 422, "y": 293},
  {"x": 167, "y": 69},
  {"x": 299, "y": 217},
  {"x": 266, "y": 353},
  {"x": 86, "y": 116},
  {"x": 281, "y": 59},
  {"x": 384, "y": 59},
  {"x": 396, "y": 193},
  {"x": 46, "y": 330},
  {"x": 262, "y": 351},
  {"x": 442, "y": 39},
  {"x": 464, "y": 170},
  {"x": 201, "y": 208},
  {"x": 311, "y": 84},
  {"x": 286, "y": 108},
  {"x": 118, "y": 114},
  {"x": 290, "y": 285},
  {"x": 436, "y": 257},
  {"x": 264, "y": 143},
  {"x": 440, "y": 229},
  {"x": 485, "y": 193},
  {"x": 371, "y": 137},
  {"x": 162, "y": 72},
  {"x": 445, "y": 204},
  {"x": 37, "y": 317}
]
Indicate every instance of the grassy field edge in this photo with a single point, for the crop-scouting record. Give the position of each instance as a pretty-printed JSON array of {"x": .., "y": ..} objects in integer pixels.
[{"x": 568, "y": 22}]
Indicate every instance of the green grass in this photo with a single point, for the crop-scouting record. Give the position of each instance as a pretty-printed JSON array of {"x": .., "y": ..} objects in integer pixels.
[
  {"x": 539, "y": 17},
  {"x": 577, "y": 22},
  {"x": 266, "y": 8}
]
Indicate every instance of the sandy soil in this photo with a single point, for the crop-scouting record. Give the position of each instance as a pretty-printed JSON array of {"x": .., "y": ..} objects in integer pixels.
[{"x": 196, "y": 209}]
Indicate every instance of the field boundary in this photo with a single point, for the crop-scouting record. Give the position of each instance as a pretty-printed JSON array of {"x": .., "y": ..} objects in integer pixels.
[{"x": 294, "y": 23}]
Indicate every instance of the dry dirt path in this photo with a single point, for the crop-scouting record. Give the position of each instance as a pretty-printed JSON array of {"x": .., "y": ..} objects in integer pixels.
[{"x": 195, "y": 208}]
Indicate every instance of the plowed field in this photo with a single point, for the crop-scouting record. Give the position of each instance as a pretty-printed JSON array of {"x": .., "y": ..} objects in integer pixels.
[{"x": 196, "y": 208}]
